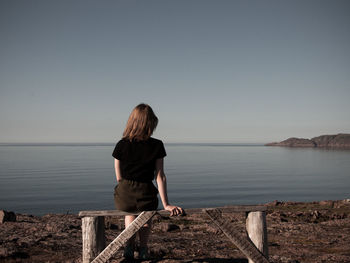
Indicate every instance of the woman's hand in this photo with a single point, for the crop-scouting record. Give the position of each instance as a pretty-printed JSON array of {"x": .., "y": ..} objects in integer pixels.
[{"x": 174, "y": 210}]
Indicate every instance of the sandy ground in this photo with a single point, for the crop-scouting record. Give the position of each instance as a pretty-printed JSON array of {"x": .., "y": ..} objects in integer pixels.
[{"x": 297, "y": 232}]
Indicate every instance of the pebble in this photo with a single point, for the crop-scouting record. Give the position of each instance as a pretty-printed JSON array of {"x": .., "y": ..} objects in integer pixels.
[
  {"x": 7, "y": 216},
  {"x": 169, "y": 227}
]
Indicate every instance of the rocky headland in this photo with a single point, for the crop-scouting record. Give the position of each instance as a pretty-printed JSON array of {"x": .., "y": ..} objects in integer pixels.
[
  {"x": 297, "y": 232},
  {"x": 341, "y": 140}
]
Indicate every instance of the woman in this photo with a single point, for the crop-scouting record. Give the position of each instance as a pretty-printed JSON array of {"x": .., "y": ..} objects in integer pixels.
[{"x": 138, "y": 161}]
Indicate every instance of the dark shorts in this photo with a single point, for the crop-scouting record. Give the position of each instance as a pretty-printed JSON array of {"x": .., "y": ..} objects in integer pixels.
[{"x": 133, "y": 196}]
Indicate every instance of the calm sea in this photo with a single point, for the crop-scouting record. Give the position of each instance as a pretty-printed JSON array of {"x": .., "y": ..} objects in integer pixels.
[{"x": 66, "y": 178}]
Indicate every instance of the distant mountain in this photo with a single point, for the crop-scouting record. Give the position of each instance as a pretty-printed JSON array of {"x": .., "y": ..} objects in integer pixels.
[{"x": 341, "y": 140}]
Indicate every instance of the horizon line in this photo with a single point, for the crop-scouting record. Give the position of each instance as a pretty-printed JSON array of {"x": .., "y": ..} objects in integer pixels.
[{"x": 113, "y": 143}]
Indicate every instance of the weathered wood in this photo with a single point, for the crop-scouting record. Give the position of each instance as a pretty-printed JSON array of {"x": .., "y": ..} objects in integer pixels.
[
  {"x": 93, "y": 233},
  {"x": 257, "y": 231},
  {"x": 124, "y": 236},
  {"x": 241, "y": 241},
  {"x": 225, "y": 209},
  {"x": 94, "y": 241}
]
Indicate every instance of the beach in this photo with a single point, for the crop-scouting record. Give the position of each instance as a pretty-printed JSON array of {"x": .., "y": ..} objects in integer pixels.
[{"x": 297, "y": 232}]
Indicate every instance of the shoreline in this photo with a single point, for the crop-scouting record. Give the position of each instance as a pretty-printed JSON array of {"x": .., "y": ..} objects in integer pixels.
[{"x": 297, "y": 232}]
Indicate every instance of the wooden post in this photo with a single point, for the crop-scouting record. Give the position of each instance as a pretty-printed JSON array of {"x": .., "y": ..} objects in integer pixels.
[
  {"x": 257, "y": 231},
  {"x": 241, "y": 241},
  {"x": 93, "y": 232}
]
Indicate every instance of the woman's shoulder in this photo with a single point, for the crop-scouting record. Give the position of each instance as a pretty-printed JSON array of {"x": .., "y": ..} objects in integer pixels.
[
  {"x": 158, "y": 146},
  {"x": 121, "y": 141},
  {"x": 119, "y": 149},
  {"x": 155, "y": 140}
]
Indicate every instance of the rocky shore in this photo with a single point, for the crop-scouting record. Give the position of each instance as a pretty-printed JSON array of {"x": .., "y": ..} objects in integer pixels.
[
  {"x": 297, "y": 232},
  {"x": 341, "y": 140}
]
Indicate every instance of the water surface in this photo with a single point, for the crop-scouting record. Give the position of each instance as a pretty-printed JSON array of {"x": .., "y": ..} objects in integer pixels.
[{"x": 55, "y": 178}]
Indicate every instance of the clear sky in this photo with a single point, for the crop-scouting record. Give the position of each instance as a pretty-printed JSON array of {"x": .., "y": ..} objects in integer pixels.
[{"x": 213, "y": 71}]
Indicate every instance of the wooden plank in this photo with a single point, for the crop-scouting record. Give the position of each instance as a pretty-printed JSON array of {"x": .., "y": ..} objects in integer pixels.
[
  {"x": 93, "y": 234},
  {"x": 257, "y": 231},
  {"x": 124, "y": 236},
  {"x": 106, "y": 213},
  {"x": 240, "y": 241},
  {"x": 225, "y": 209}
]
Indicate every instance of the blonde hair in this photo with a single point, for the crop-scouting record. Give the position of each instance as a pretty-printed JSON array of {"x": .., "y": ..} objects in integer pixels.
[{"x": 141, "y": 123}]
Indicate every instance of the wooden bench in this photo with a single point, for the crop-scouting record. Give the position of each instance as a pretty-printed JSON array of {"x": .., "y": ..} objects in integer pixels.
[{"x": 253, "y": 243}]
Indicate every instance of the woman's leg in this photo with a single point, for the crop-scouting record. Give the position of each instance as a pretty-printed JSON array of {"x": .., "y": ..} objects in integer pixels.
[
  {"x": 144, "y": 233},
  {"x": 128, "y": 221}
]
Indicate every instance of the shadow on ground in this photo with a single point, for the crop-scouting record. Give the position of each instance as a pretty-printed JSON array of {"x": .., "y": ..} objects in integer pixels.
[
  {"x": 206, "y": 260},
  {"x": 220, "y": 260}
]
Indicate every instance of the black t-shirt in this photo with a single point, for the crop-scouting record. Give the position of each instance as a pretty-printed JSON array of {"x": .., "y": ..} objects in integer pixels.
[{"x": 138, "y": 158}]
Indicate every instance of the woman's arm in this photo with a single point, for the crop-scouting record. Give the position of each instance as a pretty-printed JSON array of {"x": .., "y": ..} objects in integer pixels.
[
  {"x": 117, "y": 169},
  {"x": 162, "y": 188}
]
